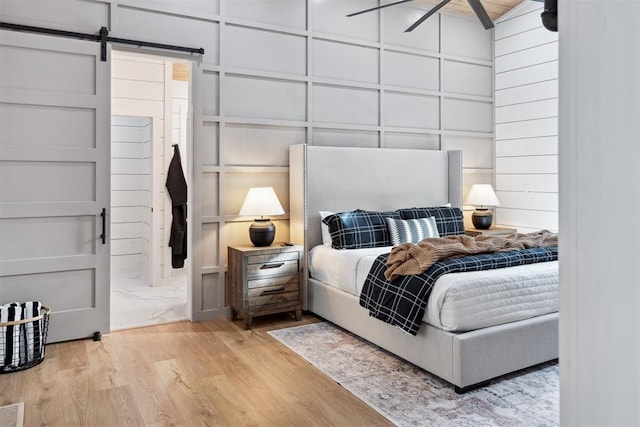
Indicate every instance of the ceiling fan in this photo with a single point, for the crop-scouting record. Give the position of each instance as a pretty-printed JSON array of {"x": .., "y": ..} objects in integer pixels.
[
  {"x": 549, "y": 16},
  {"x": 477, "y": 7}
]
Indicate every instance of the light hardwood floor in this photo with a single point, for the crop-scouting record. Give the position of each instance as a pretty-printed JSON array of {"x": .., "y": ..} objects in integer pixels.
[{"x": 188, "y": 374}]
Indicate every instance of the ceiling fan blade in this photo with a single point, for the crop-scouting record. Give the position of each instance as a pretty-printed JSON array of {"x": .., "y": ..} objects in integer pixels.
[
  {"x": 426, "y": 15},
  {"x": 481, "y": 13},
  {"x": 379, "y": 7}
]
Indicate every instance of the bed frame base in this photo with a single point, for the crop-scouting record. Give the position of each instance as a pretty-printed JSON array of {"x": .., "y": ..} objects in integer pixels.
[{"x": 467, "y": 360}]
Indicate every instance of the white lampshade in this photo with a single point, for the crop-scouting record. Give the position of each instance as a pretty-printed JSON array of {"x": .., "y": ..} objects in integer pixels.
[
  {"x": 482, "y": 195},
  {"x": 261, "y": 201}
]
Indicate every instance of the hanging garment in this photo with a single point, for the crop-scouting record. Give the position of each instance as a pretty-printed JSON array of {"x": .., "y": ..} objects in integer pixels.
[{"x": 177, "y": 187}]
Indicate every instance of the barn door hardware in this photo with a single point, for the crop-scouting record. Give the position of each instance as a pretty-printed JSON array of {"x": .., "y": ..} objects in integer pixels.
[
  {"x": 103, "y": 236},
  {"x": 102, "y": 37}
]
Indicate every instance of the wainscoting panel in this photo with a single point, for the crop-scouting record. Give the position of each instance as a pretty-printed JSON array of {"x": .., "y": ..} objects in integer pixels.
[
  {"x": 268, "y": 144},
  {"x": 265, "y": 13},
  {"x": 349, "y": 105},
  {"x": 329, "y": 17},
  {"x": 425, "y": 38},
  {"x": 466, "y": 37},
  {"x": 420, "y": 141},
  {"x": 279, "y": 99},
  {"x": 468, "y": 79},
  {"x": 415, "y": 111},
  {"x": 411, "y": 71},
  {"x": 478, "y": 152},
  {"x": 144, "y": 23},
  {"x": 342, "y": 61},
  {"x": 240, "y": 182},
  {"x": 210, "y": 205},
  {"x": 258, "y": 49},
  {"x": 210, "y": 143},
  {"x": 210, "y": 92},
  {"x": 467, "y": 115},
  {"x": 210, "y": 245},
  {"x": 345, "y": 138}
]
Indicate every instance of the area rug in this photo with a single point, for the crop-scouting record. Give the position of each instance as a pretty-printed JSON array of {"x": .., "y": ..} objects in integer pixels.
[
  {"x": 408, "y": 396},
  {"x": 12, "y": 415}
]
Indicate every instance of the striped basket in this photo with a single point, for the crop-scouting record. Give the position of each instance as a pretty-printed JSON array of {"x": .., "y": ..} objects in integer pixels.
[{"x": 22, "y": 342}]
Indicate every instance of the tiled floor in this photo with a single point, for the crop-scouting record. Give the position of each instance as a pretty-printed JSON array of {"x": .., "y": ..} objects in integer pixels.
[{"x": 134, "y": 303}]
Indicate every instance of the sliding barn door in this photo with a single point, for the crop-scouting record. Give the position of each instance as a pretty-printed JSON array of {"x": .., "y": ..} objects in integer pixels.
[{"x": 55, "y": 179}]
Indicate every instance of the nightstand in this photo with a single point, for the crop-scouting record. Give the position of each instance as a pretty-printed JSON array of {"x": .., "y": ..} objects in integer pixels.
[
  {"x": 264, "y": 280},
  {"x": 493, "y": 231}
]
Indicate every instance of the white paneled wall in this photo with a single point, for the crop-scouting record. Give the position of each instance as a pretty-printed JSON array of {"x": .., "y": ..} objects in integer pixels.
[
  {"x": 130, "y": 194},
  {"x": 526, "y": 115},
  {"x": 277, "y": 73}
]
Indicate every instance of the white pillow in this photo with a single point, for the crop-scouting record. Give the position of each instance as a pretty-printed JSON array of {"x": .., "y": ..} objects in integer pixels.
[
  {"x": 326, "y": 237},
  {"x": 411, "y": 230}
]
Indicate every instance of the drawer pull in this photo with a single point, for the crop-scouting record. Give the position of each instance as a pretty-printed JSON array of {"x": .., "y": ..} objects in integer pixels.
[
  {"x": 272, "y": 265},
  {"x": 273, "y": 291}
]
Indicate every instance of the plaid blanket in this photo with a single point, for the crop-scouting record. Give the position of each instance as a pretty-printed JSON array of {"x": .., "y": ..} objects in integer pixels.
[
  {"x": 410, "y": 258},
  {"x": 402, "y": 301}
]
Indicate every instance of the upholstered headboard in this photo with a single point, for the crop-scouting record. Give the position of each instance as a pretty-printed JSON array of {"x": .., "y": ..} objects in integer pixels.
[{"x": 342, "y": 179}]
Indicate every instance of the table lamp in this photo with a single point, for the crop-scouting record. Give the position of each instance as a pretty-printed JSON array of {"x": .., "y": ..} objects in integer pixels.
[
  {"x": 482, "y": 195},
  {"x": 261, "y": 201}
]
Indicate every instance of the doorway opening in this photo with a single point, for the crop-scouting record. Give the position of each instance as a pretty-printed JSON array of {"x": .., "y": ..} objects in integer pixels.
[{"x": 150, "y": 101}]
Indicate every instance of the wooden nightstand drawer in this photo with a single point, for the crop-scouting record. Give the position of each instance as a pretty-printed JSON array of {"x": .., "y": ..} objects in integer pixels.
[
  {"x": 272, "y": 258},
  {"x": 270, "y": 268},
  {"x": 273, "y": 281},
  {"x": 275, "y": 293}
]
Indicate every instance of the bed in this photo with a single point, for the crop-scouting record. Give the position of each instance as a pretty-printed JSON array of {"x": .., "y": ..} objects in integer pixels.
[{"x": 342, "y": 179}]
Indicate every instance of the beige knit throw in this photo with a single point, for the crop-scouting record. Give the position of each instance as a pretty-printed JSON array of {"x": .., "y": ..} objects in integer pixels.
[{"x": 410, "y": 258}]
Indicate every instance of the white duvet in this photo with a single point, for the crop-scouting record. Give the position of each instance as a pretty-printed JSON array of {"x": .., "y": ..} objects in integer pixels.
[{"x": 458, "y": 301}]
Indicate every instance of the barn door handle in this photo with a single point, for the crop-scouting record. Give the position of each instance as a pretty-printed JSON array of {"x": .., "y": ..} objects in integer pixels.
[{"x": 103, "y": 236}]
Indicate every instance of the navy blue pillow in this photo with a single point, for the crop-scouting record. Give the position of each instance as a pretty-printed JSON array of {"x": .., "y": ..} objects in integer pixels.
[
  {"x": 359, "y": 229},
  {"x": 448, "y": 220}
]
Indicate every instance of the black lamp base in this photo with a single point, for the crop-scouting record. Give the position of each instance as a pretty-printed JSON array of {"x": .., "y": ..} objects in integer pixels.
[
  {"x": 482, "y": 219},
  {"x": 262, "y": 232}
]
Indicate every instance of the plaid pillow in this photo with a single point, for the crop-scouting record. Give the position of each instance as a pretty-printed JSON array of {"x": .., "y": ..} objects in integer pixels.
[
  {"x": 448, "y": 220},
  {"x": 359, "y": 229},
  {"x": 411, "y": 230}
]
